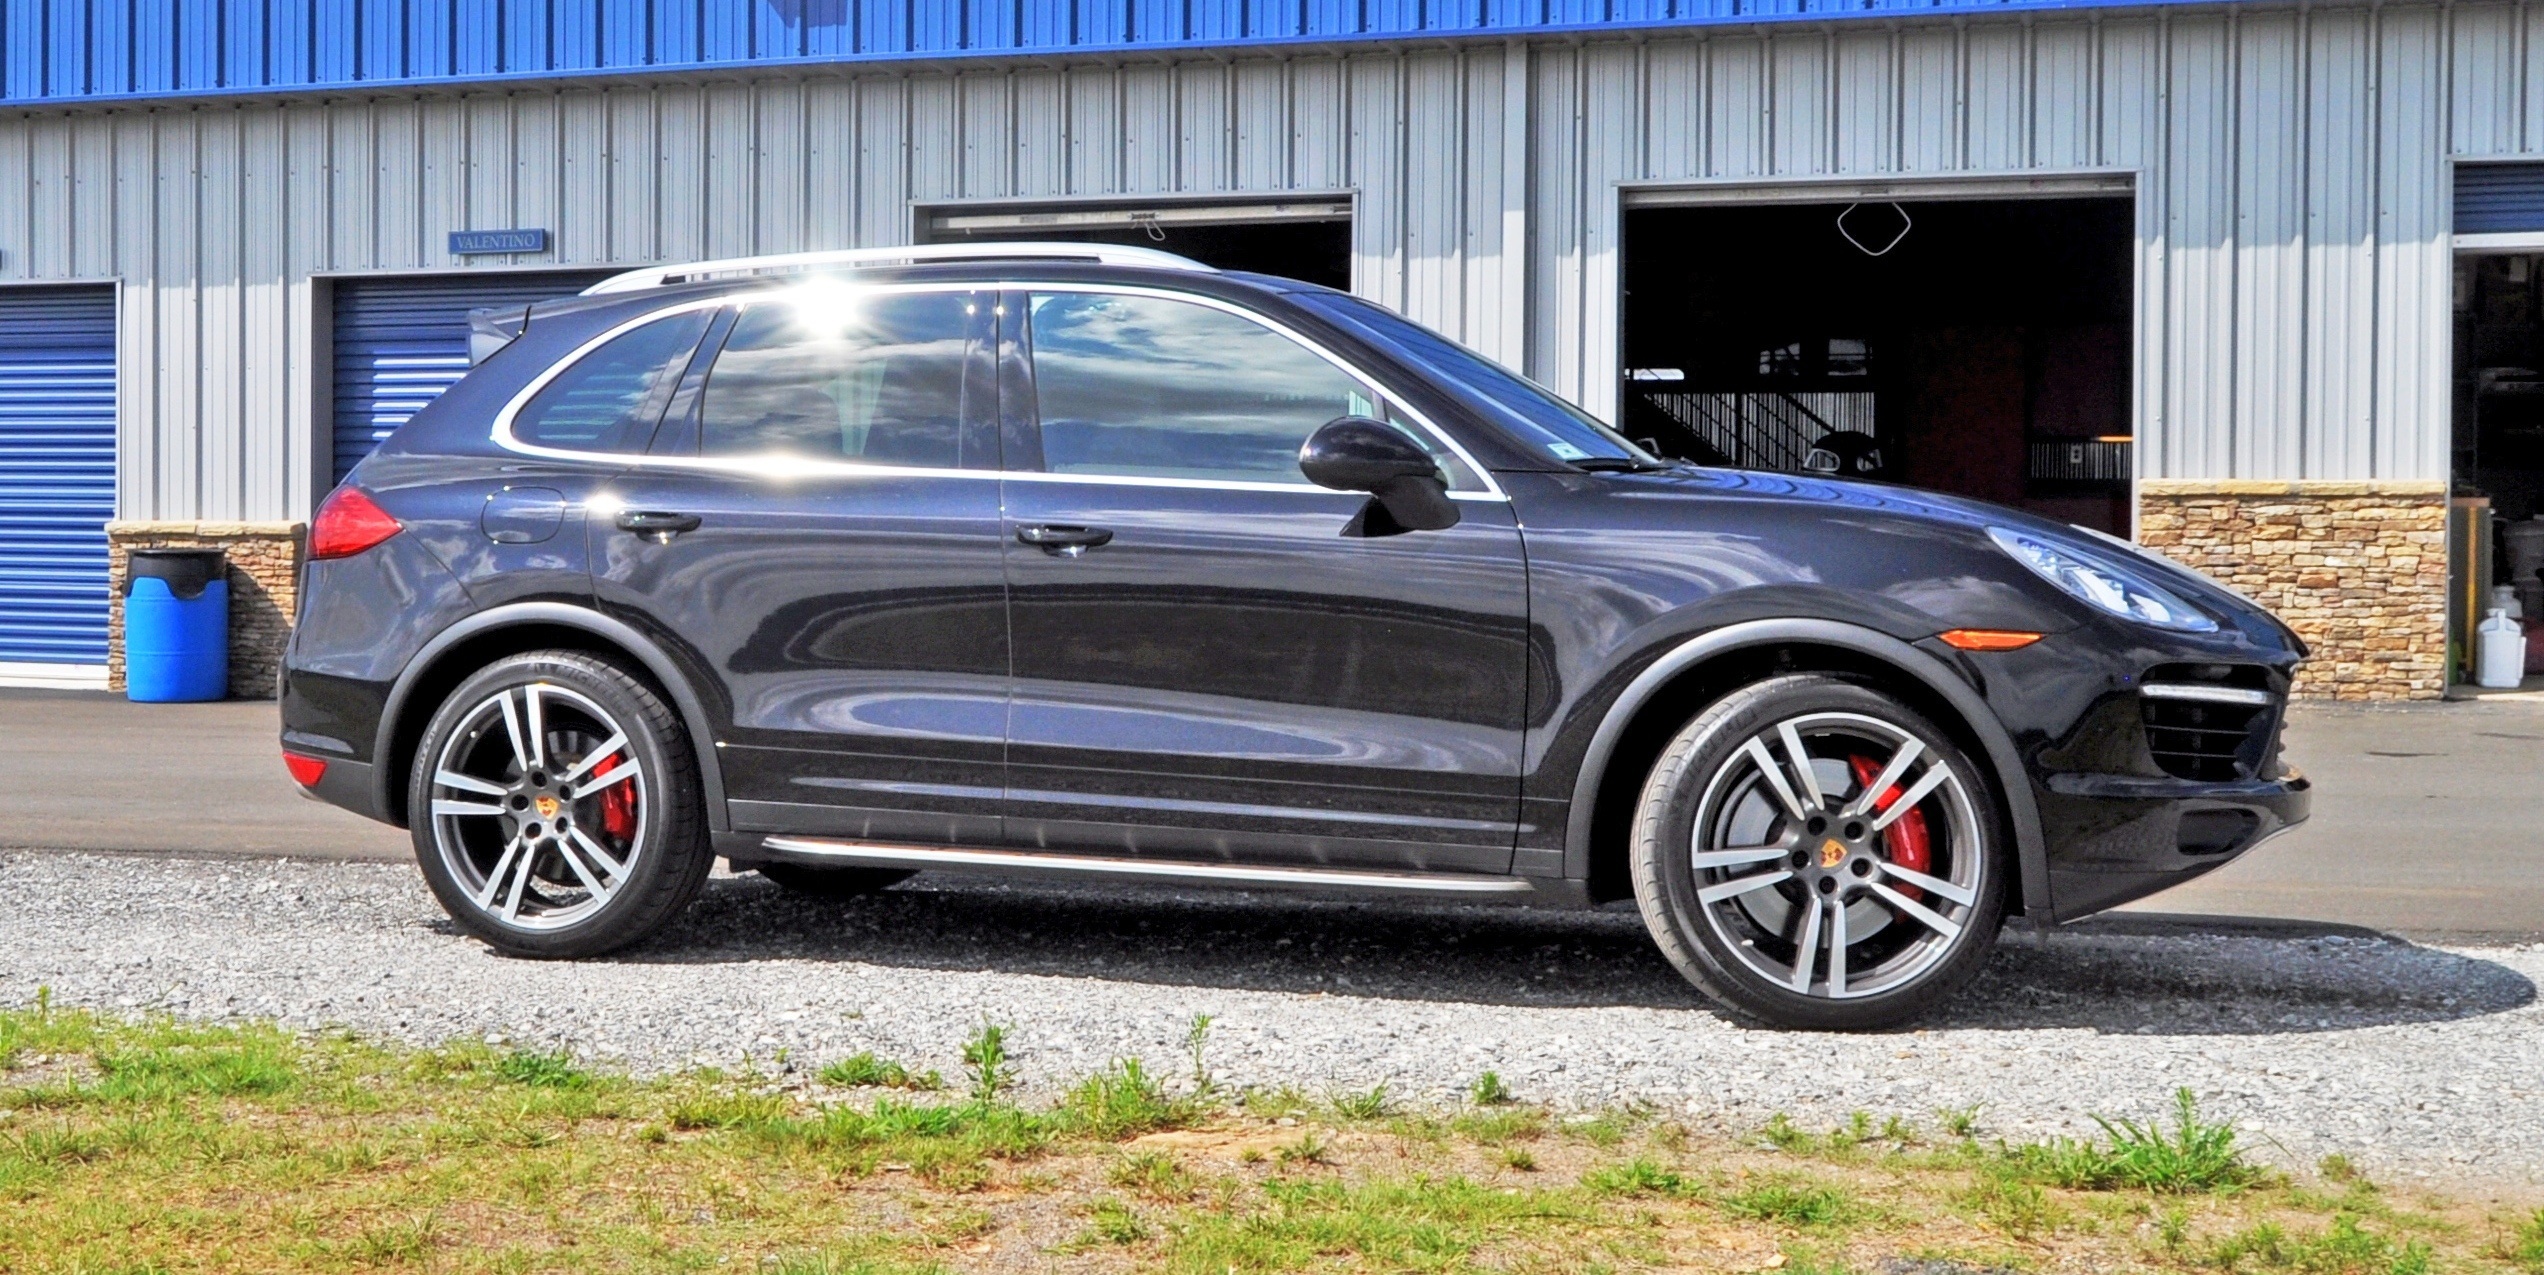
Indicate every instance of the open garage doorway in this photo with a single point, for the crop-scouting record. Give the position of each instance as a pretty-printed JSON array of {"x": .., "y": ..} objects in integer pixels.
[
  {"x": 1973, "y": 346},
  {"x": 1303, "y": 239}
]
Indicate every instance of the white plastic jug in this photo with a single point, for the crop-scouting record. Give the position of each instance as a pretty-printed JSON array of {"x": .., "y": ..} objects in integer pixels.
[{"x": 2499, "y": 652}]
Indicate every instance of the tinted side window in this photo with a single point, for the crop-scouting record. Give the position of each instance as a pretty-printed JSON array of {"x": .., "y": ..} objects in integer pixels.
[
  {"x": 610, "y": 399},
  {"x": 873, "y": 378},
  {"x": 1151, "y": 387}
]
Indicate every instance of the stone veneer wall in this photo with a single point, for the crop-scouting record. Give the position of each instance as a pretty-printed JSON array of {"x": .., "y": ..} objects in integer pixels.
[
  {"x": 265, "y": 560},
  {"x": 2358, "y": 569}
]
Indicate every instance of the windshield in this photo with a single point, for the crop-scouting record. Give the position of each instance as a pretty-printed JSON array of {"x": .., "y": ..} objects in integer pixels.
[{"x": 1527, "y": 409}]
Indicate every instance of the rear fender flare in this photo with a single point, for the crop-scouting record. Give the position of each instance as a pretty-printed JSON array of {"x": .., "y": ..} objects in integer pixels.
[
  {"x": 2030, "y": 851},
  {"x": 617, "y": 633}
]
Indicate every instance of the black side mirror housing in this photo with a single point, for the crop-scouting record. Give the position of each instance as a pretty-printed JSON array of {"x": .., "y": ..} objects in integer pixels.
[{"x": 1355, "y": 453}]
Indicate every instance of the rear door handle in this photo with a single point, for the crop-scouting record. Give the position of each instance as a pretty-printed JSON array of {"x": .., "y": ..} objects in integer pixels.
[
  {"x": 1066, "y": 542},
  {"x": 658, "y": 524}
]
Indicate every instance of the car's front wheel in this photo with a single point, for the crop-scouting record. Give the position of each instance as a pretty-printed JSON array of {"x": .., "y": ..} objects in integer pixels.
[
  {"x": 556, "y": 807},
  {"x": 1813, "y": 853}
]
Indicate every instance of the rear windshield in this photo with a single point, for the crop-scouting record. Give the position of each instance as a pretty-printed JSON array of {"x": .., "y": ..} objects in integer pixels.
[{"x": 1529, "y": 410}]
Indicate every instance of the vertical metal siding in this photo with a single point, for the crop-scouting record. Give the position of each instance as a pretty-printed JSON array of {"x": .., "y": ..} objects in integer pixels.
[
  {"x": 400, "y": 342},
  {"x": 59, "y": 50},
  {"x": 2292, "y": 176},
  {"x": 57, "y": 472}
]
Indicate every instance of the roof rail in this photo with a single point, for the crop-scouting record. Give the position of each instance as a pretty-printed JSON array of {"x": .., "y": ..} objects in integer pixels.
[{"x": 1103, "y": 254}]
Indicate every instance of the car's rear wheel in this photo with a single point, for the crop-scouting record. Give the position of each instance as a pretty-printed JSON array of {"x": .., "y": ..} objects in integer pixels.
[
  {"x": 556, "y": 808},
  {"x": 1813, "y": 853},
  {"x": 832, "y": 883}
]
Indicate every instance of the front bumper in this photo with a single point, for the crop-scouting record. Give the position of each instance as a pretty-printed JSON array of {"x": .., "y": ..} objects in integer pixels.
[{"x": 2115, "y": 838}]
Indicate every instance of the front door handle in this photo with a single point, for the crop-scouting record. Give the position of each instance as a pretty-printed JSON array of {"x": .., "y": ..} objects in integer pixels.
[
  {"x": 1064, "y": 542},
  {"x": 656, "y": 524}
]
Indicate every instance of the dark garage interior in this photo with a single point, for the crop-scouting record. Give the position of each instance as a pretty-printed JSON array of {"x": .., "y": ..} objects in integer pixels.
[
  {"x": 1978, "y": 347},
  {"x": 1296, "y": 241}
]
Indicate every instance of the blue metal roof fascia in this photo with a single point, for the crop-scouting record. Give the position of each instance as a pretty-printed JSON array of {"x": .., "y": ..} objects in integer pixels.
[{"x": 1029, "y": 54}]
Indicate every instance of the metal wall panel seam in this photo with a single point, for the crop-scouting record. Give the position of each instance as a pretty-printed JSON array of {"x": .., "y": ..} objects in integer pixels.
[
  {"x": 2364, "y": 461},
  {"x": 2295, "y": 452}
]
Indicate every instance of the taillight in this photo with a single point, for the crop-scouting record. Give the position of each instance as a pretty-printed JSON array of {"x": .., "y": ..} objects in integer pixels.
[
  {"x": 349, "y": 522},
  {"x": 305, "y": 771}
]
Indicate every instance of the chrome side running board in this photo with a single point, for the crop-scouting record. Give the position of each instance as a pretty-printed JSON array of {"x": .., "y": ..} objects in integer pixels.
[{"x": 926, "y": 857}]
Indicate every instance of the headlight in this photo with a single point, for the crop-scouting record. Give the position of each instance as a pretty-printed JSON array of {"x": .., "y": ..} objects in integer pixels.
[{"x": 2106, "y": 584}]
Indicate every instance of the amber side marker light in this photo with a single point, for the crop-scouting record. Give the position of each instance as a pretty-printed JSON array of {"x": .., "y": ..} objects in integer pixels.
[{"x": 1988, "y": 639}]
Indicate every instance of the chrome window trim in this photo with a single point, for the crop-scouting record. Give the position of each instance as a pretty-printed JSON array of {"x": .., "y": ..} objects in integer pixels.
[
  {"x": 805, "y": 467},
  {"x": 2207, "y": 694}
]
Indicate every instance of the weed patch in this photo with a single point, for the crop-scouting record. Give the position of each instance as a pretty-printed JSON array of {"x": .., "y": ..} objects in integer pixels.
[
  {"x": 543, "y": 1071},
  {"x": 1638, "y": 1176},
  {"x": 2197, "y": 1157},
  {"x": 2344, "y": 1248},
  {"x": 2525, "y": 1246},
  {"x": 864, "y": 1070},
  {"x": 1123, "y": 1101},
  {"x": 1418, "y": 1223},
  {"x": 1369, "y": 1104},
  {"x": 1791, "y": 1201}
]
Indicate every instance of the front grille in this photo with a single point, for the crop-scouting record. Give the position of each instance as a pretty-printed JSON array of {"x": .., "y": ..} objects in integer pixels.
[{"x": 2209, "y": 722}]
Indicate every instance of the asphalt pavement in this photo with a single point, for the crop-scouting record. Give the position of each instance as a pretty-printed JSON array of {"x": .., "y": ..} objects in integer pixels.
[{"x": 2428, "y": 823}]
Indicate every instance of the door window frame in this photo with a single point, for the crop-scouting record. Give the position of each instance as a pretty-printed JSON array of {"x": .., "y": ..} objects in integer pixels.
[
  {"x": 1016, "y": 328},
  {"x": 688, "y": 391},
  {"x": 1007, "y": 297}
]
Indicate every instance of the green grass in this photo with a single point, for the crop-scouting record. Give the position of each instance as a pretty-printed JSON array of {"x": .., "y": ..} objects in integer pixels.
[
  {"x": 2343, "y": 1248},
  {"x": 1122, "y": 1101},
  {"x": 1638, "y": 1176},
  {"x": 1368, "y": 1104},
  {"x": 985, "y": 1061},
  {"x": 1411, "y": 1224},
  {"x": 2525, "y": 1247},
  {"x": 1152, "y": 1175},
  {"x": 150, "y": 1145},
  {"x": 543, "y": 1070},
  {"x": 2017, "y": 1207},
  {"x": 1791, "y": 1201},
  {"x": 2197, "y": 1157},
  {"x": 864, "y": 1070}
]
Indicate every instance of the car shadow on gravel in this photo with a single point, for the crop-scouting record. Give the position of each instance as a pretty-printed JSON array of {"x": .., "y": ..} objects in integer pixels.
[{"x": 2133, "y": 974}]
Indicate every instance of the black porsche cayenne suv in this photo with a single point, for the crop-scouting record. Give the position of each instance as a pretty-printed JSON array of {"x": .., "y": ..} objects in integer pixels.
[{"x": 1059, "y": 559}]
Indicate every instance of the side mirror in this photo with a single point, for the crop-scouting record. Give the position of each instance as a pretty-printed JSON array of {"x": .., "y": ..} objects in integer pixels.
[{"x": 1355, "y": 453}]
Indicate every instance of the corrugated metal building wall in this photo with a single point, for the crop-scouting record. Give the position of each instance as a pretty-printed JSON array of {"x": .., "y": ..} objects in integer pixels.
[
  {"x": 2291, "y": 170},
  {"x": 90, "y": 49}
]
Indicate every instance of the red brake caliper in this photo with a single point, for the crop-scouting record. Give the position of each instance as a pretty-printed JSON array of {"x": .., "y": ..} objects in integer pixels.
[
  {"x": 618, "y": 805},
  {"x": 1905, "y": 841}
]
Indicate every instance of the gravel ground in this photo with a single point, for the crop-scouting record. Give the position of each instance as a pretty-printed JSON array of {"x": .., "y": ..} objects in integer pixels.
[{"x": 2423, "y": 1060}]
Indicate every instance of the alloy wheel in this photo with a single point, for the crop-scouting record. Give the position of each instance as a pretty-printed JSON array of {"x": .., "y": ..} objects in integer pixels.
[
  {"x": 539, "y": 806},
  {"x": 1837, "y": 855}
]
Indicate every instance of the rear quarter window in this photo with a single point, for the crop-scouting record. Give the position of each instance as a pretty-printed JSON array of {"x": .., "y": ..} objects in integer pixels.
[{"x": 611, "y": 399}]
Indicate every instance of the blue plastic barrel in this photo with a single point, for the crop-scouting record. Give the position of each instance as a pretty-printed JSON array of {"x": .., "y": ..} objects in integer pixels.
[{"x": 177, "y": 626}]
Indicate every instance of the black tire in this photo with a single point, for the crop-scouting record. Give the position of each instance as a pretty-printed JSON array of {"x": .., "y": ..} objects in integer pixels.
[
  {"x": 814, "y": 881},
  {"x": 1829, "y": 869},
  {"x": 562, "y": 824}
]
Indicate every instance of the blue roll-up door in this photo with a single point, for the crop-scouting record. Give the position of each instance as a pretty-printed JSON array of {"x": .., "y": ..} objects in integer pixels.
[
  {"x": 2494, "y": 199},
  {"x": 402, "y": 341},
  {"x": 57, "y": 472}
]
